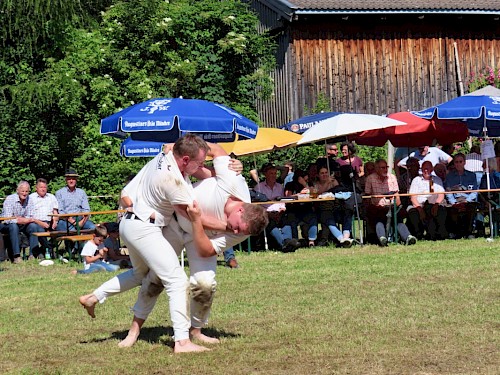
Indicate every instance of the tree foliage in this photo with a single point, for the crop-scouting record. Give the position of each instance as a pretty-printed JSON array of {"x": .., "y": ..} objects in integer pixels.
[{"x": 78, "y": 62}]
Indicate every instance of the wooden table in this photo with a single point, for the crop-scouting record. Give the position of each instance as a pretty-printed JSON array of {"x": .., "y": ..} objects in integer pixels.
[
  {"x": 7, "y": 218},
  {"x": 289, "y": 201}
]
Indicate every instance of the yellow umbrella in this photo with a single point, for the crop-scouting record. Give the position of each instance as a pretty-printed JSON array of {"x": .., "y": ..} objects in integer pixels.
[{"x": 267, "y": 140}]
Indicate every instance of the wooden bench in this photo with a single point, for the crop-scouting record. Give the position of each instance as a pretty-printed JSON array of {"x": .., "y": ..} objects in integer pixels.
[
  {"x": 57, "y": 236},
  {"x": 77, "y": 237},
  {"x": 60, "y": 233}
]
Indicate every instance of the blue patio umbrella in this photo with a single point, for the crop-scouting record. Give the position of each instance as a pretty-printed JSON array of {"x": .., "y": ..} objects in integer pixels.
[
  {"x": 302, "y": 124},
  {"x": 131, "y": 148},
  {"x": 165, "y": 120},
  {"x": 480, "y": 110}
]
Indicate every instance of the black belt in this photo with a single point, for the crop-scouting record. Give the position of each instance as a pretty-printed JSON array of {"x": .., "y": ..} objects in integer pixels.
[{"x": 131, "y": 215}]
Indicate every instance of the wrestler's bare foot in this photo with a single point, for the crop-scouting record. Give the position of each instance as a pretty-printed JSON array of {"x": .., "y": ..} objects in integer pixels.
[
  {"x": 130, "y": 340},
  {"x": 88, "y": 302},
  {"x": 186, "y": 346},
  {"x": 196, "y": 334}
]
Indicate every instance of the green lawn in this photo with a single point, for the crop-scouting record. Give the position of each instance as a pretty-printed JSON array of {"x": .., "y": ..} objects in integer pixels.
[{"x": 432, "y": 308}]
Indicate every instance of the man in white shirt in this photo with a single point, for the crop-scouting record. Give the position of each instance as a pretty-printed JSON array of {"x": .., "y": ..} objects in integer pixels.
[
  {"x": 426, "y": 153},
  {"x": 426, "y": 214},
  {"x": 161, "y": 188},
  {"x": 230, "y": 201},
  {"x": 160, "y": 249},
  {"x": 44, "y": 204}
]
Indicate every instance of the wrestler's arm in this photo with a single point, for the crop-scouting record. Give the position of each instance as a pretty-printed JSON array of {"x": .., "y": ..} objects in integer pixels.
[
  {"x": 214, "y": 152},
  {"x": 201, "y": 240},
  {"x": 208, "y": 222}
]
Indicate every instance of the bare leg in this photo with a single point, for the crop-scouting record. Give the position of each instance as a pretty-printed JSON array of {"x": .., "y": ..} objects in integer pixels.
[
  {"x": 195, "y": 333},
  {"x": 88, "y": 302},
  {"x": 133, "y": 333},
  {"x": 186, "y": 346}
]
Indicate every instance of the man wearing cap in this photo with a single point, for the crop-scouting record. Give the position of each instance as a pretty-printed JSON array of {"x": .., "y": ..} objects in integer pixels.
[
  {"x": 73, "y": 200},
  {"x": 426, "y": 212}
]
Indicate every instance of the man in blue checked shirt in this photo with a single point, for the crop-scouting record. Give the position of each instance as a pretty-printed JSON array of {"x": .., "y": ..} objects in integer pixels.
[
  {"x": 72, "y": 199},
  {"x": 19, "y": 206},
  {"x": 463, "y": 204}
]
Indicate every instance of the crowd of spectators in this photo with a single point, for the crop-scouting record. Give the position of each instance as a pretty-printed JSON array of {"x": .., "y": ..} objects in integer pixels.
[
  {"x": 431, "y": 196},
  {"x": 30, "y": 214},
  {"x": 440, "y": 203}
]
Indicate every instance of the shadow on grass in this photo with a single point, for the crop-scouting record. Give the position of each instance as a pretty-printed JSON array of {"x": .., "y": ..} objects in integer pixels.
[
  {"x": 160, "y": 335},
  {"x": 220, "y": 263}
]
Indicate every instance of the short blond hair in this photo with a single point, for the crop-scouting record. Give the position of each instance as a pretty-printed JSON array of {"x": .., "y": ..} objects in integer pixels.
[
  {"x": 100, "y": 231},
  {"x": 256, "y": 218},
  {"x": 190, "y": 145}
]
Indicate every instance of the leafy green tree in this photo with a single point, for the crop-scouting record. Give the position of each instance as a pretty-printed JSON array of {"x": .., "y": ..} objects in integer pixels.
[{"x": 80, "y": 72}]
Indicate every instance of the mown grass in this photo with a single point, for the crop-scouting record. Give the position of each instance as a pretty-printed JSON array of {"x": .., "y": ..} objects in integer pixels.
[{"x": 432, "y": 308}]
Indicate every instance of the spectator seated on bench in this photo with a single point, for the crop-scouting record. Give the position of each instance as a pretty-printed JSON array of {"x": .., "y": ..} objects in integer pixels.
[
  {"x": 8, "y": 253},
  {"x": 112, "y": 243},
  {"x": 44, "y": 204},
  {"x": 463, "y": 204},
  {"x": 72, "y": 200},
  {"x": 94, "y": 253},
  {"x": 17, "y": 205}
]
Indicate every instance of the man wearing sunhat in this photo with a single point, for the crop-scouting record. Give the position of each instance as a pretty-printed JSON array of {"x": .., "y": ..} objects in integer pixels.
[{"x": 72, "y": 200}]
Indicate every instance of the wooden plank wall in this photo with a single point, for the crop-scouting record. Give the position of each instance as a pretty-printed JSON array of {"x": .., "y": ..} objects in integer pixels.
[{"x": 377, "y": 72}]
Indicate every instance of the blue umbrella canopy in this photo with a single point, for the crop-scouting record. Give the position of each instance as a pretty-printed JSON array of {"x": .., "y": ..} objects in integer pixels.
[
  {"x": 302, "y": 124},
  {"x": 480, "y": 110},
  {"x": 165, "y": 120},
  {"x": 131, "y": 148}
]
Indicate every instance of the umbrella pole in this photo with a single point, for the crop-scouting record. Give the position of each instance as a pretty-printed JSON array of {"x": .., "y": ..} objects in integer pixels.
[
  {"x": 490, "y": 211},
  {"x": 266, "y": 246},
  {"x": 327, "y": 161},
  {"x": 351, "y": 175}
]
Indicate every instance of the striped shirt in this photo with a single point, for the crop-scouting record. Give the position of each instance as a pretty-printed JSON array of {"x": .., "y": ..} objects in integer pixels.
[
  {"x": 271, "y": 193},
  {"x": 380, "y": 186},
  {"x": 43, "y": 206},
  {"x": 72, "y": 201},
  {"x": 12, "y": 206}
]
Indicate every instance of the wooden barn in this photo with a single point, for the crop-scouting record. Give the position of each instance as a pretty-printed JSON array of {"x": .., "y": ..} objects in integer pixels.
[{"x": 376, "y": 56}]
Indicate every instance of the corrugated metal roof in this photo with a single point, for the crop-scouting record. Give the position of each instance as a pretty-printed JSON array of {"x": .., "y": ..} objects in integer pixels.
[{"x": 393, "y": 5}]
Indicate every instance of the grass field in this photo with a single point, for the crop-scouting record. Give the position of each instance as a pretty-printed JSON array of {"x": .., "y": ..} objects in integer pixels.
[{"x": 432, "y": 308}]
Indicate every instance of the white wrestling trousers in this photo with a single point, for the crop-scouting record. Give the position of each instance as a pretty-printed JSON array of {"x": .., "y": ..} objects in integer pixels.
[
  {"x": 202, "y": 282},
  {"x": 149, "y": 249}
]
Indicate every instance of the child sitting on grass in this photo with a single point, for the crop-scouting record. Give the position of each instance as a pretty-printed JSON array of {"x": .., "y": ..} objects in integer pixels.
[{"x": 94, "y": 253}]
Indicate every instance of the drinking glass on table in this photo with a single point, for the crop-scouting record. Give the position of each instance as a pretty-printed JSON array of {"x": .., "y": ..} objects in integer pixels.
[{"x": 313, "y": 192}]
